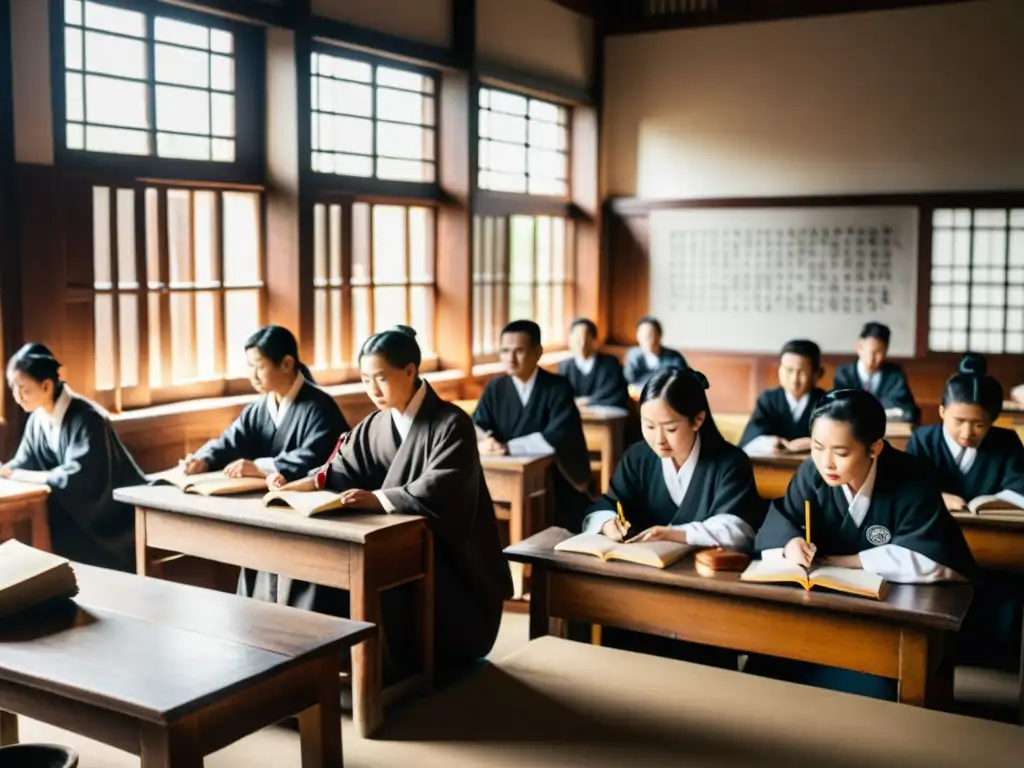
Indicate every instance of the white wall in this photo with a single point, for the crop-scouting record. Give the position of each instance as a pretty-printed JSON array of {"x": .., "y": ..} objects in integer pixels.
[
  {"x": 30, "y": 54},
  {"x": 427, "y": 21},
  {"x": 536, "y": 36},
  {"x": 923, "y": 99}
]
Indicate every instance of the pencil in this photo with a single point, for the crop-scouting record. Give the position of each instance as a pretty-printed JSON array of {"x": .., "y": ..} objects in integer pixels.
[
  {"x": 622, "y": 517},
  {"x": 807, "y": 520}
]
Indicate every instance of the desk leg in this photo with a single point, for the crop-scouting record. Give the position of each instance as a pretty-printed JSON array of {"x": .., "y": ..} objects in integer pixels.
[
  {"x": 320, "y": 725},
  {"x": 8, "y": 728},
  {"x": 913, "y": 668},
  {"x": 540, "y": 616},
  {"x": 424, "y": 599},
  {"x": 516, "y": 524},
  {"x": 173, "y": 746},
  {"x": 367, "y": 677},
  {"x": 140, "y": 542},
  {"x": 40, "y": 527}
]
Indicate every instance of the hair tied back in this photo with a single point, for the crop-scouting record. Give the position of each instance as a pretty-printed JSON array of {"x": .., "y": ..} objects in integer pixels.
[{"x": 700, "y": 377}]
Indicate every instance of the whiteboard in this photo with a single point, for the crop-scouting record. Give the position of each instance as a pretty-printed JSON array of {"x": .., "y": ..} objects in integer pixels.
[{"x": 750, "y": 279}]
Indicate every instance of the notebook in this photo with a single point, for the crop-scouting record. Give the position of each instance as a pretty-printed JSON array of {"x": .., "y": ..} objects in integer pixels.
[
  {"x": 31, "y": 576},
  {"x": 209, "y": 483},
  {"x": 993, "y": 504},
  {"x": 12, "y": 489},
  {"x": 849, "y": 580},
  {"x": 657, "y": 554},
  {"x": 307, "y": 503}
]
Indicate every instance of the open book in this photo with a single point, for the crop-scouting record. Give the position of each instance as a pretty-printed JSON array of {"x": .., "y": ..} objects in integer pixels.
[
  {"x": 31, "y": 576},
  {"x": 658, "y": 554},
  {"x": 308, "y": 503},
  {"x": 849, "y": 580},
  {"x": 12, "y": 489},
  {"x": 209, "y": 483},
  {"x": 994, "y": 504}
]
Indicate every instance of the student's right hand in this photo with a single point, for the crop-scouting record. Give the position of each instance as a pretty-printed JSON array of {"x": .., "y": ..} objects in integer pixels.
[
  {"x": 953, "y": 502},
  {"x": 276, "y": 481},
  {"x": 799, "y": 445},
  {"x": 6, "y": 471},
  {"x": 614, "y": 530},
  {"x": 799, "y": 551},
  {"x": 190, "y": 465}
]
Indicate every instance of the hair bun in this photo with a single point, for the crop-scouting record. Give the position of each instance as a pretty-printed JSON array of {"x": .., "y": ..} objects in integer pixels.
[
  {"x": 973, "y": 364},
  {"x": 408, "y": 330},
  {"x": 700, "y": 377}
]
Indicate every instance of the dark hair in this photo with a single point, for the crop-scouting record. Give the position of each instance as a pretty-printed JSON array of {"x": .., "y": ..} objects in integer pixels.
[
  {"x": 685, "y": 391},
  {"x": 876, "y": 331},
  {"x": 588, "y": 323},
  {"x": 38, "y": 363},
  {"x": 651, "y": 321},
  {"x": 804, "y": 348},
  {"x": 528, "y": 327},
  {"x": 276, "y": 343},
  {"x": 972, "y": 385},
  {"x": 397, "y": 345},
  {"x": 856, "y": 407}
]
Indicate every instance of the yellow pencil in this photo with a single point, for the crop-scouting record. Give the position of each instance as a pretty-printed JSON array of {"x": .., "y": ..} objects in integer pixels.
[
  {"x": 622, "y": 517},
  {"x": 807, "y": 520}
]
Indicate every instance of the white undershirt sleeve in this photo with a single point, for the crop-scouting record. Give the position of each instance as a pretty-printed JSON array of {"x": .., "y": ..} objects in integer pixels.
[
  {"x": 532, "y": 444},
  {"x": 760, "y": 445},
  {"x": 384, "y": 501},
  {"x": 727, "y": 531},
  {"x": 904, "y": 566},
  {"x": 594, "y": 522},
  {"x": 266, "y": 466}
]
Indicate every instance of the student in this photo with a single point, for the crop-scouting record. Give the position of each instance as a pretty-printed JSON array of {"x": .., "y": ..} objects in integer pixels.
[
  {"x": 874, "y": 374},
  {"x": 596, "y": 378},
  {"x": 872, "y": 507},
  {"x": 531, "y": 412},
  {"x": 291, "y": 430},
  {"x": 649, "y": 356},
  {"x": 417, "y": 455},
  {"x": 782, "y": 416},
  {"x": 1017, "y": 394},
  {"x": 70, "y": 446},
  {"x": 973, "y": 458}
]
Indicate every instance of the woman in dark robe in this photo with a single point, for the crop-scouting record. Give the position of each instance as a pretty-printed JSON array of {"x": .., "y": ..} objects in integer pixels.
[
  {"x": 418, "y": 456},
  {"x": 873, "y": 508},
  {"x": 973, "y": 458},
  {"x": 70, "y": 446}
]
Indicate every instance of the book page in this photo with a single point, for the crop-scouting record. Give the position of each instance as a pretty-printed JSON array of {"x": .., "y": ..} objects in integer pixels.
[
  {"x": 1004, "y": 501},
  {"x": 306, "y": 502},
  {"x": 20, "y": 562},
  {"x": 659, "y": 554},
  {"x": 848, "y": 580},
  {"x": 775, "y": 570},
  {"x": 588, "y": 544},
  {"x": 12, "y": 489}
]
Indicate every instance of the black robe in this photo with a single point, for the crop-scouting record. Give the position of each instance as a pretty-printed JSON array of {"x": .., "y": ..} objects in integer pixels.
[
  {"x": 604, "y": 385},
  {"x": 86, "y": 524},
  {"x": 998, "y": 466},
  {"x": 893, "y": 390},
  {"x": 722, "y": 484},
  {"x": 773, "y": 416},
  {"x": 906, "y": 510},
  {"x": 304, "y": 441},
  {"x": 636, "y": 370},
  {"x": 551, "y": 410}
]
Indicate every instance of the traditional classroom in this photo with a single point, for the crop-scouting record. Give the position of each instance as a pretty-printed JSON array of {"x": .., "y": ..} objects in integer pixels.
[{"x": 511, "y": 383}]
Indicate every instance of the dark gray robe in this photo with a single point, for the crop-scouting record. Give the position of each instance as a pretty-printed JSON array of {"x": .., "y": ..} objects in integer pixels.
[
  {"x": 893, "y": 390},
  {"x": 604, "y": 385},
  {"x": 86, "y": 524},
  {"x": 636, "y": 370},
  {"x": 772, "y": 416}
]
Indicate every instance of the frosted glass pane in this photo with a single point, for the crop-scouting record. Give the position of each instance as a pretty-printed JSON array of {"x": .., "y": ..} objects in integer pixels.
[
  {"x": 221, "y": 41},
  {"x": 74, "y": 97},
  {"x": 223, "y": 122},
  {"x": 404, "y": 107},
  {"x": 73, "y": 11},
  {"x": 73, "y": 48},
  {"x": 182, "y": 66},
  {"x": 103, "y": 319},
  {"x": 222, "y": 73},
  {"x": 115, "y": 102},
  {"x": 99, "y": 16},
  {"x": 421, "y": 316},
  {"x": 241, "y": 238},
  {"x": 182, "y": 110},
  {"x": 405, "y": 141},
  {"x": 405, "y": 170},
  {"x": 224, "y": 150},
  {"x": 421, "y": 244},
  {"x": 543, "y": 110},
  {"x": 184, "y": 147},
  {"x": 111, "y": 55},
  {"x": 242, "y": 319},
  {"x": 116, "y": 140},
  {"x": 389, "y": 244},
  {"x": 388, "y": 308},
  {"x": 173, "y": 31},
  {"x": 398, "y": 78}
]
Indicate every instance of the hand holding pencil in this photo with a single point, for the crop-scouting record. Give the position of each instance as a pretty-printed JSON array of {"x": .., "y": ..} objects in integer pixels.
[
  {"x": 617, "y": 527},
  {"x": 801, "y": 550}
]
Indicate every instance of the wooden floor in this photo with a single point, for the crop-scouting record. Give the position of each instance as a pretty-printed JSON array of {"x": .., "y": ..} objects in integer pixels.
[{"x": 979, "y": 692}]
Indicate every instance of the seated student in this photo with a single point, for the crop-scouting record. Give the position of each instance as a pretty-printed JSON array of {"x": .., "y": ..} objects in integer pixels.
[
  {"x": 291, "y": 430},
  {"x": 531, "y": 412},
  {"x": 1017, "y": 394},
  {"x": 872, "y": 507},
  {"x": 649, "y": 356},
  {"x": 417, "y": 455},
  {"x": 973, "y": 459},
  {"x": 873, "y": 373},
  {"x": 70, "y": 445},
  {"x": 596, "y": 378},
  {"x": 782, "y": 416}
]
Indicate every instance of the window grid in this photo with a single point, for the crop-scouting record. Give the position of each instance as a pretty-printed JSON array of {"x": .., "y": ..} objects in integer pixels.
[
  {"x": 147, "y": 85},
  {"x": 372, "y": 120},
  {"x": 523, "y": 144},
  {"x": 177, "y": 283},
  {"x": 977, "y": 281},
  {"x": 373, "y": 268}
]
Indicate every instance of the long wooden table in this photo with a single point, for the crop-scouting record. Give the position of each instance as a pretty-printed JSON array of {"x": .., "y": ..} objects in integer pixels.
[
  {"x": 172, "y": 673},
  {"x": 605, "y": 433},
  {"x": 773, "y": 471},
  {"x": 364, "y": 554},
  {"x": 905, "y": 637},
  {"x": 24, "y": 505}
]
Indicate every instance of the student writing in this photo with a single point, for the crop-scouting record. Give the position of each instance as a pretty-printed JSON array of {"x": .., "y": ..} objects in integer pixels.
[
  {"x": 649, "y": 355},
  {"x": 875, "y": 374},
  {"x": 596, "y": 377}
]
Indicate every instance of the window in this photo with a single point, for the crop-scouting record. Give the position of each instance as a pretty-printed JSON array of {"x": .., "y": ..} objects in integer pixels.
[
  {"x": 522, "y": 269},
  {"x": 977, "y": 281},
  {"x": 372, "y": 120},
  {"x": 373, "y": 268},
  {"x": 524, "y": 144},
  {"x": 139, "y": 84},
  {"x": 176, "y": 300}
]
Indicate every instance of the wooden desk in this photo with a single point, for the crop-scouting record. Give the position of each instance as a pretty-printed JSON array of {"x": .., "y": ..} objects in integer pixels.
[
  {"x": 605, "y": 432},
  {"x": 773, "y": 471},
  {"x": 897, "y": 433},
  {"x": 172, "y": 673},
  {"x": 364, "y": 554},
  {"x": 905, "y": 637},
  {"x": 24, "y": 505},
  {"x": 522, "y": 482}
]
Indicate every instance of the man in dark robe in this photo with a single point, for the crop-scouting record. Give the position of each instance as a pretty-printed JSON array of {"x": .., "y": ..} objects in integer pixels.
[
  {"x": 882, "y": 378},
  {"x": 596, "y": 377}
]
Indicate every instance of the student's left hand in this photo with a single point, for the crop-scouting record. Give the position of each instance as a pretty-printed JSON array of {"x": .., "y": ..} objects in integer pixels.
[
  {"x": 800, "y": 445},
  {"x": 582, "y": 402},
  {"x": 659, "y": 533},
  {"x": 6, "y": 471},
  {"x": 355, "y": 498},
  {"x": 243, "y": 468},
  {"x": 491, "y": 447}
]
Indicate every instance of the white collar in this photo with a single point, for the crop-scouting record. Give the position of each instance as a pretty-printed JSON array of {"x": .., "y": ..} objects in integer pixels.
[
  {"x": 403, "y": 421},
  {"x": 678, "y": 481},
  {"x": 653, "y": 359},
  {"x": 861, "y": 502},
  {"x": 585, "y": 364},
  {"x": 525, "y": 388},
  {"x": 869, "y": 381},
  {"x": 797, "y": 407},
  {"x": 54, "y": 421},
  {"x": 278, "y": 410},
  {"x": 955, "y": 449}
]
